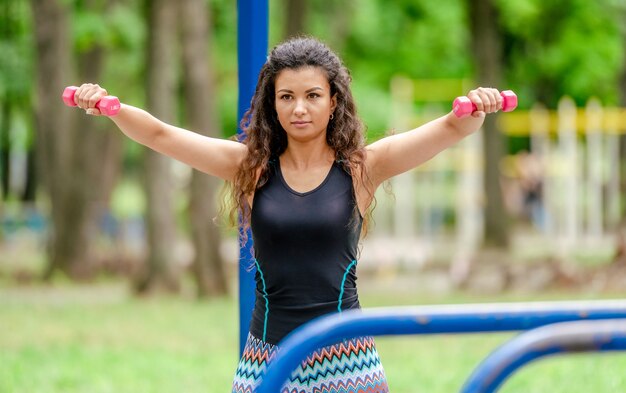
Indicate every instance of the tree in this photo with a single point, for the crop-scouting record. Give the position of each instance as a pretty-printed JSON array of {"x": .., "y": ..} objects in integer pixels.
[
  {"x": 97, "y": 148},
  {"x": 295, "y": 17},
  {"x": 158, "y": 272},
  {"x": 620, "y": 253},
  {"x": 487, "y": 48},
  {"x": 208, "y": 266},
  {"x": 53, "y": 132},
  {"x": 74, "y": 160},
  {"x": 11, "y": 84},
  {"x": 621, "y": 11}
]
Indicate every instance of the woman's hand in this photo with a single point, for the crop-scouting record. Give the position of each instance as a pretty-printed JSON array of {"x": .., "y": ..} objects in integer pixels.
[
  {"x": 486, "y": 99},
  {"x": 87, "y": 96}
]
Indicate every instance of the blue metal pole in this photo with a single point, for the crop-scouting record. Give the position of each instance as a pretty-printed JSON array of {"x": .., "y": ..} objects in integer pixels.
[
  {"x": 558, "y": 338},
  {"x": 252, "y": 40},
  {"x": 468, "y": 318}
]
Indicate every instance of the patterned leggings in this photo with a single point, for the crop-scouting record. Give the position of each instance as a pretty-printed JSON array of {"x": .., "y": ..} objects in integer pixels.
[{"x": 352, "y": 366}]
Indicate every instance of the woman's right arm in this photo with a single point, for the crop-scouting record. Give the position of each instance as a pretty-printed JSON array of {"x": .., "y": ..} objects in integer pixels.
[{"x": 217, "y": 157}]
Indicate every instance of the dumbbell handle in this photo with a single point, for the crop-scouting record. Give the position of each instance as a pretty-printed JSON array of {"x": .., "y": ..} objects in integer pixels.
[
  {"x": 108, "y": 105},
  {"x": 463, "y": 106}
]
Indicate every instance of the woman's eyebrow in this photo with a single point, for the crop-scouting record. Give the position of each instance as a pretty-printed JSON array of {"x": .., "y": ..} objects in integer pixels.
[{"x": 306, "y": 91}]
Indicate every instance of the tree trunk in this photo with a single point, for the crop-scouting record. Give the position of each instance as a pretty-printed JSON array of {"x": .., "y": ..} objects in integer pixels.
[
  {"x": 16, "y": 101},
  {"x": 73, "y": 152},
  {"x": 97, "y": 153},
  {"x": 620, "y": 246},
  {"x": 159, "y": 273},
  {"x": 5, "y": 148},
  {"x": 30, "y": 187},
  {"x": 295, "y": 18},
  {"x": 208, "y": 266},
  {"x": 7, "y": 31},
  {"x": 341, "y": 15},
  {"x": 622, "y": 102},
  {"x": 52, "y": 119},
  {"x": 487, "y": 49}
]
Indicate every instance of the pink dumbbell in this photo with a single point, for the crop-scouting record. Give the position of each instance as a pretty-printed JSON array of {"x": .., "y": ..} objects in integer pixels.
[
  {"x": 462, "y": 106},
  {"x": 108, "y": 105}
]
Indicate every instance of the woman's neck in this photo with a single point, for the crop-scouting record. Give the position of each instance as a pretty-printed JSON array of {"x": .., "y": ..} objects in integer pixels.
[{"x": 304, "y": 156}]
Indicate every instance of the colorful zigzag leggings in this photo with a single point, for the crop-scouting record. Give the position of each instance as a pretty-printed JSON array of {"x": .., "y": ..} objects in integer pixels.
[{"x": 352, "y": 366}]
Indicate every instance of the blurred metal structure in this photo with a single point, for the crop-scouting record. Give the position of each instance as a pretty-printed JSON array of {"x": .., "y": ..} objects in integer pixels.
[
  {"x": 557, "y": 338},
  {"x": 252, "y": 41},
  {"x": 448, "y": 319}
]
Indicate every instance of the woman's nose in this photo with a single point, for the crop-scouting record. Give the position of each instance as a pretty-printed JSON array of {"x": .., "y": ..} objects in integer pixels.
[{"x": 300, "y": 107}]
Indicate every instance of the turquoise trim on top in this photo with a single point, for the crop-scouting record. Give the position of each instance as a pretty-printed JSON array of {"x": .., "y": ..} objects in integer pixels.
[
  {"x": 343, "y": 283},
  {"x": 267, "y": 302}
]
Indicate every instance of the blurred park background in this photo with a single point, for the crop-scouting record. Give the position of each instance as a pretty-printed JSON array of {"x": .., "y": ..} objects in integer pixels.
[{"x": 114, "y": 275}]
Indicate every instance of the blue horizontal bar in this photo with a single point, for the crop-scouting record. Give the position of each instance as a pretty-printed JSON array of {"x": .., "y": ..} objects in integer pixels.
[
  {"x": 558, "y": 338},
  {"x": 466, "y": 318}
]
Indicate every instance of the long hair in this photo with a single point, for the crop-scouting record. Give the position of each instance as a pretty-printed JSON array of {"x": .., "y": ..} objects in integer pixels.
[{"x": 265, "y": 137}]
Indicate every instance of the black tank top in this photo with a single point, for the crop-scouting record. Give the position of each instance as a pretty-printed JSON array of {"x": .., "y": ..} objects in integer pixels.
[{"x": 305, "y": 249}]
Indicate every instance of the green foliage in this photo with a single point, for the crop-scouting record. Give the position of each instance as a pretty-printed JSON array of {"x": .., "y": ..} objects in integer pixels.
[
  {"x": 557, "y": 48},
  {"x": 224, "y": 52},
  {"x": 15, "y": 69},
  {"x": 384, "y": 39},
  {"x": 16, "y": 53},
  {"x": 127, "y": 30},
  {"x": 429, "y": 41},
  {"x": 551, "y": 48},
  {"x": 90, "y": 29},
  {"x": 125, "y": 43}
]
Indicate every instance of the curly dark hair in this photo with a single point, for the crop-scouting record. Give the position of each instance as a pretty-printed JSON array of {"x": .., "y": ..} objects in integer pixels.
[{"x": 265, "y": 137}]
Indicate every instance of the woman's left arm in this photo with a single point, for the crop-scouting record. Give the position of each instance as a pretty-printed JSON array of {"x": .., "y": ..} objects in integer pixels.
[{"x": 399, "y": 153}]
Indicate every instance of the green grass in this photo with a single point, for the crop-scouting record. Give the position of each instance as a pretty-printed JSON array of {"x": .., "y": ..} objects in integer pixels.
[{"x": 98, "y": 339}]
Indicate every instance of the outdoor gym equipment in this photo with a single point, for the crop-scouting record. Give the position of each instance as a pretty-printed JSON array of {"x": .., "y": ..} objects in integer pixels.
[
  {"x": 593, "y": 326},
  {"x": 553, "y": 339},
  {"x": 108, "y": 105},
  {"x": 462, "y": 106},
  {"x": 252, "y": 41}
]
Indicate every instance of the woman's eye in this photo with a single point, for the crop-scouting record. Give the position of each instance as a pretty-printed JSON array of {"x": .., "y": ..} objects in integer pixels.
[
  {"x": 285, "y": 97},
  {"x": 314, "y": 95}
]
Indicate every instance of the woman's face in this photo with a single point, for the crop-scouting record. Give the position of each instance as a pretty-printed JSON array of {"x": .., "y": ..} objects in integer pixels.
[{"x": 304, "y": 103}]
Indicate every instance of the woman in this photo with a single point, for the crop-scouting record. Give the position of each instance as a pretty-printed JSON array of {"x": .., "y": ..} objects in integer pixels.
[{"x": 304, "y": 180}]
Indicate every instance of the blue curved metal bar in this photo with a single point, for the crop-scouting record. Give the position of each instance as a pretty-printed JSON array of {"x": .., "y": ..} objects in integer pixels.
[
  {"x": 252, "y": 30},
  {"x": 466, "y": 318},
  {"x": 558, "y": 338}
]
